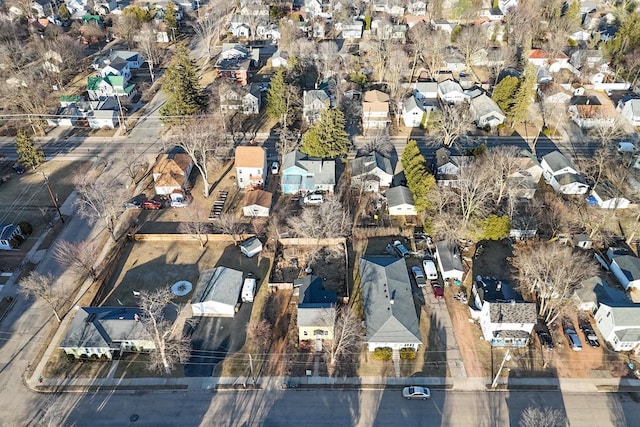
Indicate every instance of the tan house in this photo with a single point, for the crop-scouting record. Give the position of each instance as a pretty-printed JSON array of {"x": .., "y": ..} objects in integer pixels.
[
  {"x": 171, "y": 172},
  {"x": 375, "y": 110},
  {"x": 251, "y": 167},
  {"x": 316, "y": 309}
]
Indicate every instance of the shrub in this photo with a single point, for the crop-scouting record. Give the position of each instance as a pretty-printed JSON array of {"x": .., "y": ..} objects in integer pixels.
[
  {"x": 382, "y": 353},
  {"x": 26, "y": 228},
  {"x": 407, "y": 353}
]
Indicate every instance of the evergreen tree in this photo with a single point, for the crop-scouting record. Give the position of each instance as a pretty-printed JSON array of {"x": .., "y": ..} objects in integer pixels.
[
  {"x": 504, "y": 92},
  {"x": 170, "y": 17},
  {"x": 182, "y": 86},
  {"x": 419, "y": 181},
  {"x": 63, "y": 12},
  {"x": 28, "y": 153},
  {"x": 327, "y": 138},
  {"x": 276, "y": 96},
  {"x": 523, "y": 96},
  {"x": 493, "y": 227}
]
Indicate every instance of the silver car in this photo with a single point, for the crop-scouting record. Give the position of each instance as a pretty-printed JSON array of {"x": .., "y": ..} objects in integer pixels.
[{"x": 416, "y": 392}]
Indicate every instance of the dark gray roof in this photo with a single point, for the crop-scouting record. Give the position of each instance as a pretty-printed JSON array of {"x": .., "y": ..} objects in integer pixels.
[
  {"x": 103, "y": 326},
  {"x": 442, "y": 157},
  {"x": 221, "y": 284},
  {"x": 251, "y": 244},
  {"x": 397, "y": 196},
  {"x": 629, "y": 265},
  {"x": 558, "y": 161},
  {"x": 365, "y": 164},
  {"x": 449, "y": 255},
  {"x": 493, "y": 290},
  {"x": 569, "y": 178},
  {"x": 598, "y": 291},
  {"x": 584, "y": 100},
  {"x": 315, "y": 304},
  {"x": 323, "y": 171},
  {"x": 389, "y": 309},
  {"x": 513, "y": 312}
]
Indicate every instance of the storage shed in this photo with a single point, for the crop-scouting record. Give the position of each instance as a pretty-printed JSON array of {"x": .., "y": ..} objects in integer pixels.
[{"x": 251, "y": 247}]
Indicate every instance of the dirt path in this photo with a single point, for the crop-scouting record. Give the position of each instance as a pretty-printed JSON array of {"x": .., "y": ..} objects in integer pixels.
[
  {"x": 276, "y": 365},
  {"x": 465, "y": 336}
]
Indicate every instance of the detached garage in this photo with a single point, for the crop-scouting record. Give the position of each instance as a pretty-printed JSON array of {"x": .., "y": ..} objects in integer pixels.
[{"x": 217, "y": 292}]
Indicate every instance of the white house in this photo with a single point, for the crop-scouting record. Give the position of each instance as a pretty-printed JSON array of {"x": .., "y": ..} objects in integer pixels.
[
  {"x": 279, "y": 59},
  {"x": 371, "y": 172},
  {"x": 314, "y": 102},
  {"x": 412, "y": 115},
  {"x": 257, "y": 203},
  {"x": 400, "y": 201},
  {"x": 507, "y": 323},
  {"x": 352, "y": 31},
  {"x": 102, "y": 119},
  {"x": 375, "y": 110},
  {"x": 251, "y": 247},
  {"x": 626, "y": 268},
  {"x": 588, "y": 113},
  {"x": 447, "y": 167},
  {"x": 217, "y": 292},
  {"x": 451, "y": 92},
  {"x": 9, "y": 234},
  {"x": 486, "y": 112},
  {"x": 390, "y": 316},
  {"x": 539, "y": 57},
  {"x": 449, "y": 260},
  {"x": 425, "y": 91},
  {"x": 605, "y": 196},
  {"x": 592, "y": 292},
  {"x": 443, "y": 25},
  {"x": 562, "y": 174},
  {"x": 505, "y": 5},
  {"x": 251, "y": 166},
  {"x": 629, "y": 108},
  {"x": 171, "y": 172},
  {"x": 553, "y": 93},
  {"x": 242, "y": 99},
  {"x": 620, "y": 326}
]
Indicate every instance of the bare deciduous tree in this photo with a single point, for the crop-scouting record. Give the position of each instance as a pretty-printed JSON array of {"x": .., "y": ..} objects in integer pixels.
[
  {"x": 503, "y": 160},
  {"x": 550, "y": 272},
  {"x": 100, "y": 200},
  {"x": 127, "y": 27},
  {"x": 347, "y": 335},
  {"x": 433, "y": 53},
  {"x": 378, "y": 141},
  {"x": 80, "y": 257},
  {"x": 451, "y": 123},
  {"x": 42, "y": 287},
  {"x": 329, "y": 219},
  {"x": 227, "y": 223},
  {"x": 206, "y": 27},
  {"x": 148, "y": 45},
  {"x": 470, "y": 40},
  {"x": 396, "y": 70},
  {"x": 542, "y": 417},
  {"x": 195, "y": 223},
  {"x": 169, "y": 350}
]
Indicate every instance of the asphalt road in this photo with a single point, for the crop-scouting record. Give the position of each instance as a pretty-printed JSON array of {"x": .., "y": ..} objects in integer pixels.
[{"x": 331, "y": 407}]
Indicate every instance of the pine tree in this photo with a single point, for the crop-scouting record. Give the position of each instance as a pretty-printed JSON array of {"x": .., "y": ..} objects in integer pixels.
[
  {"x": 276, "y": 96},
  {"x": 419, "y": 181},
  {"x": 170, "y": 18},
  {"x": 28, "y": 153},
  {"x": 504, "y": 92},
  {"x": 182, "y": 86},
  {"x": 523, "y": 96},
  {"x": 327, "y": 138}
]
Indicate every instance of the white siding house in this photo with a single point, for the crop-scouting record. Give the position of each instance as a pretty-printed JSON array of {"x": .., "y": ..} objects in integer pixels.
[
  {"x": 562, "y": 174},
  {"x": 620, "y": 326}
]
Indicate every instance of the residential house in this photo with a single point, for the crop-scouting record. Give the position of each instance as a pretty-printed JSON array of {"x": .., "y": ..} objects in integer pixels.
[
  {"x": 65, "y": 116},
  {"x": 10, "y": 236},
  {"x": 251, "y": 167},
  {"x": 587, "y": 58},
  {"x": 543, "y": 76},
  {"x": 171, "y": 172},
  {"x": 375, "y": 110},
  {"x": 523, "y": 182},
  {"x": 522, "y": 225},
  {"x": 390, "y": 316},
  {"x": 605, "y": 195},
  {"x": 371, "y": 172},
  {"x": 539, "y": 57},
  {"x": 245, "y": 100},
  {"x": 453, "y": 61},
  {"x": 488, "y": 57},
  {"x": 351, "y": 31},
  {"x": 104, "y": 332},
  {"x": 413, "y": 115},
  {"x": 239, "y": 26},
  {"x": 553, "y": 93},
  {"x": 117, "y": 67},
  {"x": 280, "y": 59},
  {"x": 588, "y": 113},
  {"x": 626, "y": 269},
  {"x": 257, "y": 203},
  {"x": 235, "y": 70},
  {"x": 316, "y": 309},
  {"x": 620, "y": 326},
  {"x": 101, "y": 87},
  {"x": 318, "y": 30},
  {"x": 302, "y": 174},
  {"x": 389, "y": 31},
  {"x": 443, "y": 25},
  {"x": 629, "y": 108},
  {"x": 268, "y": 31},
  {"x": 416, "y": 7},
  {"x": 486, "y": 112},
  {"x": 592, "y": 292},
  {"x": 313, "y": 8},
  {"x": 133, "y": 59},
  {"x": 505, "y": 5},
  {"x": 254, "y": 10},
  {"x": 314, "y": 102},
  {"x": 505, "y": 319},
  {"x": 451, "y": 92},
  {"x": 217, "y": 292},
  {"x": 562, "y": 174},
  {"x": 400, "y": 201},
  {"x": 103, "y": 119},
  {"x": 425, "y": 91},
  {"x": 447, "y": 167},
  {"x": 449, "y": 261}
]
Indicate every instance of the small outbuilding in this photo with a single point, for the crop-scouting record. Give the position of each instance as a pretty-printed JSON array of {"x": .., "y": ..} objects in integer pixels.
[
  {"x": 257, "y": 203},
  {"x": 449, "y": 260},
  {"x": 217, "y": 292},
  {"x": 251, "y": 247},
  {"x": 400, "y": 201}
]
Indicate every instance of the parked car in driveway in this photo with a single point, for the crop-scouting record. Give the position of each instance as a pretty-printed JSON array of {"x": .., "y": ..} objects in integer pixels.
[
  {"x": 573, "y": 339},
  {"x": 275, "y": 168},
  {"x": 419, "y": 275},
  {"x": 438, "y": 292},
  {"x": 151, "y": 204},
  {"x": 18, "y": 169},
  {"x": 590, "y": 336},
  {"x": 416, "y": 392},
  {"x": 430, "y": 268}
]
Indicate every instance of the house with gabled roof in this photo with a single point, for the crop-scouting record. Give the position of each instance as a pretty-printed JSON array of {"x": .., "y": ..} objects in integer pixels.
[
  {"x": 449, "y": 260},
  {"x": 446, "y": 167},
  {"x": 371, "y": 172},
  {"x": 553, "y": 93},
  {"x": 626, "y": 269},
  {"x": 242, "y": 99},
  {"x": 400, "y": 201},
  {"x": 251, "y": 166},
  {"x": 316, "y": 309},
  {"x": 629, "y": 108},
  {"x": 302, "y": 174},
  {"x": 539, "y": 57},
  {"x": 451, "y": 92},
  {"x": 171, "y": 172},
  {"x": 101, "y": 87},
  {"x": 217, "y": 292},
  {"x": 562, "y": 174},
  {"x": 588, "y": 113},
  {"x": 10, "y": 236},
  {"x": 523, "y": 182},
  {"x": 314, "y": 102},
  {"x": 389, "y": 310},
  {"x": 606, "y": 196},
  {"x": 592, "y": 292},
  {"x": 619, "y": 326},
  {"x": 102, "y": 332},
  {"x": 486, "y": 112},
  {"x": 375, "y": 110},
  {"x": 257, "y": 203}
]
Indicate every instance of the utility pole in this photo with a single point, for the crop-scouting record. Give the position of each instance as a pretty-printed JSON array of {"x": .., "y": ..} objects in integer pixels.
[
  {"x": 53, "y": 199},
  {"x": 504, "y": 360}
]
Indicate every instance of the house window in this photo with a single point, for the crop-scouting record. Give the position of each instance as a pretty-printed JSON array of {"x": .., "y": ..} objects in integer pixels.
[
  {"x": 305, "y": 333},
  {"x": 240, "y": 179}
]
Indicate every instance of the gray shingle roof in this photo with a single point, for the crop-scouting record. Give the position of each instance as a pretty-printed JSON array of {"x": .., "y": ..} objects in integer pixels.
[
  {"x": 385, "y": 279},
  {"x": 221, "y": 284},
  {"x": 598, "y": 291},
  {"x": 449, "y": 255},
  {"x": 315, "y": 304},
  {"x": 512, "y": 312},
  {"x": 558, "y": 161},
  {"x": 365, "y": 164},
  {"x": 629, "y": 265},
  {"x": 484, "y": 105},
  {"x": 398, "y": 196},
  {"x": 323, "y": 171}
]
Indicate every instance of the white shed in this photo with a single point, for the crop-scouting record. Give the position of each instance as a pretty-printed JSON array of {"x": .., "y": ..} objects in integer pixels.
[
  {"x": 250, "y": 247},
  {"x": 217, "y": 292},
  {"x": 449, "y": 262},
  {"x": 400, "y": 201}
]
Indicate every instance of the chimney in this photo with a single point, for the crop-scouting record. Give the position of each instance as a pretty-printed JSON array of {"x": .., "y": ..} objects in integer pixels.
[
  {"x": 136, "y": 317},
  {"x": 499, "y": 286}
]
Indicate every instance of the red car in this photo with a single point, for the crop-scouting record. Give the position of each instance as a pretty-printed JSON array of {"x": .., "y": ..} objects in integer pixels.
[
  {"x": 151, "y": 204},
  {"x": 438, "y": 292}
]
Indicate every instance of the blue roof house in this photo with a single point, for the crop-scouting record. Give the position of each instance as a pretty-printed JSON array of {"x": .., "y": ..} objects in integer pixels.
[{"x": 302, "y": 174}]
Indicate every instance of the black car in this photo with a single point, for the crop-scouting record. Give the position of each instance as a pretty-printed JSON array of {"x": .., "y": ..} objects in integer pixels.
[
  {"x": 590, "y": 336},
  {"x": 18, "y": 169},
  {"x": 545, "y": 340}
]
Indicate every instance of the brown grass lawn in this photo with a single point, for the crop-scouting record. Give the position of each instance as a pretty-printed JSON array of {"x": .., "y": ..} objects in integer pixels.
[
  {"x": 58, "y": 366},
  {"x": 136, "y": 365}
]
